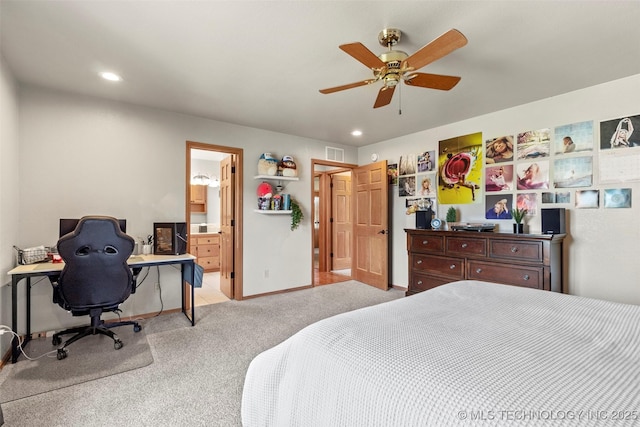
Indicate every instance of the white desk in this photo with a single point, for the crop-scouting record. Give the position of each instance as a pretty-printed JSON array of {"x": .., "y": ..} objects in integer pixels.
[{"x": 49, "y": 269}]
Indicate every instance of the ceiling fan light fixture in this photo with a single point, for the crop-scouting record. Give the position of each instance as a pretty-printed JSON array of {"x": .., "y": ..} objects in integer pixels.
[{"x": 395, "y": 65}]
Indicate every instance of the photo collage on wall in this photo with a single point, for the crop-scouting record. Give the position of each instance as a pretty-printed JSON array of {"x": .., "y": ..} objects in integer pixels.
[
  {"x": 415, "y": 175},
  {"x": 548, "y": 166},
  {"x": 539, "y": 167}
]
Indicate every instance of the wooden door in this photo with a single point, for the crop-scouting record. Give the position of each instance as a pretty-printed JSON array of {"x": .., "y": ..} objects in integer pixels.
[
  {"x": 227, "y": 177},
  {"x": 370, "y": 263},
  {"x": 341, "y": 221}
]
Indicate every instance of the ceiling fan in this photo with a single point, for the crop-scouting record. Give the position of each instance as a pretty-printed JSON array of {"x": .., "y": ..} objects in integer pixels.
[{"x": 395, "y": 65}]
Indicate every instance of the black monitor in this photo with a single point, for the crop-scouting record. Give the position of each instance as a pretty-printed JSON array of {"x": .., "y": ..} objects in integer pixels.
[{"x": 68, "y": 225}]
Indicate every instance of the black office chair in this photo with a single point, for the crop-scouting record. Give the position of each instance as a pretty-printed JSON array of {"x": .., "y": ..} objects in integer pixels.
[{"x": 95, "y": 278}]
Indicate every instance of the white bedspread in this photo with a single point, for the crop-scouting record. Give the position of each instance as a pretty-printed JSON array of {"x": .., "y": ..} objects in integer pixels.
[{"x": 466, "y": 353}]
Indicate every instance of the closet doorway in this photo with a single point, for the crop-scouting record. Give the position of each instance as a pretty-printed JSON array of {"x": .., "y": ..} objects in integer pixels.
[
  {"x": 214, "y": 222},
  {"x": 332, "y": 227}
]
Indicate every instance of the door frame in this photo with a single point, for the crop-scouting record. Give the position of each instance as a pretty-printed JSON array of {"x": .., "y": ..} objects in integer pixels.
[
  {"x": 328, "y": 167},
  {"x": 237, "y": 229}
]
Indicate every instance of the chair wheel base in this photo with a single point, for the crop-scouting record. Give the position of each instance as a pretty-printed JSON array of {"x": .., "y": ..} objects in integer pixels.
[
  {"x": 137, "y": 328},
  {"x": 62, "y": 353},
  {"x": 117, "y": 344}
]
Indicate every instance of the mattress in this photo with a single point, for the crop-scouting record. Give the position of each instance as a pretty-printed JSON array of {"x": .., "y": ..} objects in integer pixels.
[{"x": 465, "y": 353}]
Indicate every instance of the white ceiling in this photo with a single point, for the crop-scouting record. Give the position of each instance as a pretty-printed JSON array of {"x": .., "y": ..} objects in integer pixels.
[{"x": 261, "y": 63}]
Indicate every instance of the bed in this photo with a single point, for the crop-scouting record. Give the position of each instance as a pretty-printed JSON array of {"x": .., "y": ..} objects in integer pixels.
[{"x": 465, "y": 353}]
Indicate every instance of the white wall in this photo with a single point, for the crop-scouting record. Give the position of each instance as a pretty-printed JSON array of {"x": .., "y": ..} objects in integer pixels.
[
  {"x": 9, "y": 209},
  {"x": 601, "y": 250},
  {"x": 81, "y": 155}
]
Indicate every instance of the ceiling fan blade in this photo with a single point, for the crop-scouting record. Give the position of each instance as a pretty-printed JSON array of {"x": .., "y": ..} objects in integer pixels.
[
  {"x": 384, "y": 96},
  {"x": 348, "y": 86},
  {"x": 442, "y": 46},
  {"x": 432, "y": 81},
  {"x": 360, "y": 53}
]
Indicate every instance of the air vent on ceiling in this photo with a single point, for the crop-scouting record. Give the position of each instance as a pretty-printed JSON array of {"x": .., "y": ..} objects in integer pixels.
[{"x": 335, "y": 154}]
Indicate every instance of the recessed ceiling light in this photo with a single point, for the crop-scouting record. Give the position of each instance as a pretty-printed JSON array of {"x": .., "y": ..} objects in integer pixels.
[
  {"x": 110, "y": 76},
  {"x": 356, "y": 133}
]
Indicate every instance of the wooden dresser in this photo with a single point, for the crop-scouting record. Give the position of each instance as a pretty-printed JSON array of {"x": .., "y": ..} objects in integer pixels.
[
  {"x": 439, "y": 257},
  {"x": 206, "y": 248}
]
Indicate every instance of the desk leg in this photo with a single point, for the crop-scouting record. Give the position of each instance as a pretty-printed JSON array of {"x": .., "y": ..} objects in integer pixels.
[
  {"x": 14, "y": 318},
  {"x": 15, "y": 342},
  {"x": 189, "y": 281},
  {"x": 193, "y": 293}
]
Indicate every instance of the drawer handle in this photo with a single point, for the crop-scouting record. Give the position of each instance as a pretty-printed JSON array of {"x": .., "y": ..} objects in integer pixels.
[
  {"x": 419, "y": 282},
  {"x": 464, "y": 245},
  {"x": 452, "y": 266},
  {"x": 425, "y": 242},
  {"x": 419, "y": 261},
  {"x": 514, "y": 249},
  {"x": 526, "y": 277},
  {"x": 478, "y": 270}
]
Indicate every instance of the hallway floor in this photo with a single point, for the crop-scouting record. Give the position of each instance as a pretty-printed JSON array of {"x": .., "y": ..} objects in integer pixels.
[{"x": 209, "y": 293}]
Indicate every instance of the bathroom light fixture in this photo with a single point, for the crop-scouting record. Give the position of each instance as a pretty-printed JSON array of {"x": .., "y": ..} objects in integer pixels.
[
  {"x": 356, "y": 133},
  {"x": 204, "y": 179}
]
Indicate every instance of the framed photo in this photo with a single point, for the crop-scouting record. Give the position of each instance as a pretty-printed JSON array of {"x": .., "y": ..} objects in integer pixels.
[
  {"x": 533, "y": 175},
  {"x": 499, "y": 149},
  {"x": 407, "y": 164},
  {"x": 573, "y": 172},
  {"x": 426, "y": 161},
  {"x": 534, "y": 144},
  {"x": 573, "y": 138},
  {"x": 498, "y": 178},
  {"x": 587, "y": 199},
  {"x": 407, "y": 186},
  {"x": 617, "y": 198},
  {"x": 623, "y": 132}
]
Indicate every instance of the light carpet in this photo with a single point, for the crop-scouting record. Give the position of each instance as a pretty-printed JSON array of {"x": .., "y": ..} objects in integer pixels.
[{"x": 90, "y": 358}]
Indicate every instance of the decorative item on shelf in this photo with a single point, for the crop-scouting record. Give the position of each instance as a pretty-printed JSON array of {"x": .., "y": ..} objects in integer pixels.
[
  {"x": 264, "y": 192},
  {"x": 518, "y": 217},
  {"x": 424, "y": 213},
  {"x": 267, "y": 165},
  {"x": 452, "y": 215},
  {"x": 286, "y": 202},
  {"x": 436, "y": 223},
  {"x": 276, "y": 202},
  {"x": 287, "y": 167},
  {"x": 296, "y": 215}
]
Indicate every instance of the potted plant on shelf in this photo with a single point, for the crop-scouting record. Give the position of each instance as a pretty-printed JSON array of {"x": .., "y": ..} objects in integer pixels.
[
  {"x": 296, "y": 214},
  {"x": 518, "y": 217},
  {"x": 452, "y": 216}
]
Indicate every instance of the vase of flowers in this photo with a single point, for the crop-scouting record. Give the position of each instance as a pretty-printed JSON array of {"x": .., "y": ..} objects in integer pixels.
[{"x": 518, "y": 217}]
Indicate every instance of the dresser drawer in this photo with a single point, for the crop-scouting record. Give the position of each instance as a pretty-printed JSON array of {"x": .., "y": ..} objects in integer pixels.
[
  {"x": 530, "y": 277},
  {"x": 422, "y": 282},
  {"x": 444, "y": 266},
  {"x": 424, "y": 243},
  {"x": 208, "y": 250},
  {"x": 209, "y": 240},
  {"x": 209, "y": 262},
  {"x": 516, "y": 250},
  {"x": 467, "y": 246}
]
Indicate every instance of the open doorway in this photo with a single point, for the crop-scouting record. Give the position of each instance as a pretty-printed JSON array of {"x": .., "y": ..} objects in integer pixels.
[
  {"x": 332, "y": 228},
  {"x": 214, "y": 219}
]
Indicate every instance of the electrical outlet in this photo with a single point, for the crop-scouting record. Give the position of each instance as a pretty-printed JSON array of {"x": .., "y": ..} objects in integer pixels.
[{"x": 266, "y": 273}]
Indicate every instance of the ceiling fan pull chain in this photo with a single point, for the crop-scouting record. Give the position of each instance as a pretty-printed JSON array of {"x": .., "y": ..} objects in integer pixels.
[{"x": 400, "y": 101}]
